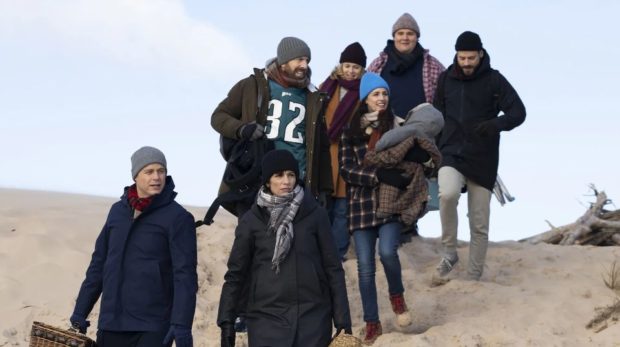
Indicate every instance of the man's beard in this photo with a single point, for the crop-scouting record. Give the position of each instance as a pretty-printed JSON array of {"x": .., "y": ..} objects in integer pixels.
[
  {"x": 468, "y": 70},
  {"x": 298, "y": 73}
]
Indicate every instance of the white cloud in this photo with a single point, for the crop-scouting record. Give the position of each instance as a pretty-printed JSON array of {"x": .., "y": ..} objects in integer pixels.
[{"x": 155, "y": 33}]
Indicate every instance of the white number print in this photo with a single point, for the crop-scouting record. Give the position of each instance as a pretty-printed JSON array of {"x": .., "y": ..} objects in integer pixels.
[{"x": 290, "y": 135}]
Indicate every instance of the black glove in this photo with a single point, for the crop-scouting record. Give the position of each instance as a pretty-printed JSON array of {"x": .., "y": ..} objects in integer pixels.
[
  {"x": 325, "y": 200},
  {"x": 181, "y": 335},
  {"x": 79, "y": 323},
  {"x": 347, "y": 330},
  {"x": 417, "y": 155},
  {"x": 228, "y": 334},
  {"x": 393, "y": 177},
  {"x": 486, "y": 129},
  {"x": 251, "y": 131}
]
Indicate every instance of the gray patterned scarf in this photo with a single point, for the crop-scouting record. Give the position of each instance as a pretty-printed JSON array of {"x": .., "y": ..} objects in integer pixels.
[{"x": 282, "y": 210}]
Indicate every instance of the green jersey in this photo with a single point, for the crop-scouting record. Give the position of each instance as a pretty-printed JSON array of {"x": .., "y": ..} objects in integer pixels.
[{"x": 286, "y": 122}]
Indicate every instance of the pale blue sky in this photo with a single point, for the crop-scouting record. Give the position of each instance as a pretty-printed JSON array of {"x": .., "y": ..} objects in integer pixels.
[{"x": 85, "y": 83}]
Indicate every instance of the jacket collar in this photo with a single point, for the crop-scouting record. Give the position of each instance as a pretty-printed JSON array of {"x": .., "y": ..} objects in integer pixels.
[{"x": 164, "y": 198}]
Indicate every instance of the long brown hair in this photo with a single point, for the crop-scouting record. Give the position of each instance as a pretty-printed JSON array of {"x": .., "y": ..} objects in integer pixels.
[{"x": 355, "y": 131}]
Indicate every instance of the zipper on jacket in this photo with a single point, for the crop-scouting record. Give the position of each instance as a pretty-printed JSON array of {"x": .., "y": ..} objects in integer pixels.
[{"x": 462, "y": 100}]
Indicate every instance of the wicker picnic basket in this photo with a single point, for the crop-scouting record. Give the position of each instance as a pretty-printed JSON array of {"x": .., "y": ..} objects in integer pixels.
[
  {"x": 43, "y": 335},
  {"x": 345, "y": 340}
]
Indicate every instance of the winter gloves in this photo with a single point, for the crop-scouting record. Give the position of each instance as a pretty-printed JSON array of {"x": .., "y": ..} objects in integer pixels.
[
  {"x": 181, "y": 335},
  {"x": 79, "y": 323},
  {"x": 347, "y": 330},
  {"x": 250, "y": 131},
  {"x": 393, "y": 177},
  {"x": 228, "y": 334},
  {"x": 486, "y": 129},
  {"x": 325, "y": 200},
  {"x": 417, "y": 155}
]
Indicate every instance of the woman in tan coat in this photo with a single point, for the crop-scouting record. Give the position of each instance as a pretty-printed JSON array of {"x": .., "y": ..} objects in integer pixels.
[{"x": 342, "y": 89}]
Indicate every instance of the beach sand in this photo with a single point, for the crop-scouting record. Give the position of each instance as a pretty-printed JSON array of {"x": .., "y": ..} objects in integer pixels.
[{"x": 529, "y": 295}]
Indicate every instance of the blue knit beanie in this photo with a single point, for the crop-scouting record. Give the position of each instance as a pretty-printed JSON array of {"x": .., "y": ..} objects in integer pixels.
[{"x": 371, "y": 81}]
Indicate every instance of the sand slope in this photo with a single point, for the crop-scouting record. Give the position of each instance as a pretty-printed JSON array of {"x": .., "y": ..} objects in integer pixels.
[{"x": 529, "y": 295}]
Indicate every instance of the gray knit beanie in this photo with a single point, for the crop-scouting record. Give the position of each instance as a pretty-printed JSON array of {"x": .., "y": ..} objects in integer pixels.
[
  {"x": 145, "y": 156},
  {"x": 406, "y": 21},
  {"x": 290, "y": 48}
]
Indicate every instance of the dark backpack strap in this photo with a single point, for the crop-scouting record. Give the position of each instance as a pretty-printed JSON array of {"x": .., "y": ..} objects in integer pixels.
[
  {"x": 243, "y": 184},
  {"x": 230, "y": 196}
]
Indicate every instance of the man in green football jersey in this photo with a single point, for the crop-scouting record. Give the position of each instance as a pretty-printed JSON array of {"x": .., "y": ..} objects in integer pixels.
[{"x": 280, "y": 104}]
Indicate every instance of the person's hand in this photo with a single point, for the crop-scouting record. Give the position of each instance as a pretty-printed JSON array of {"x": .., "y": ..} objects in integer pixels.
[
  {"x": 325, "y": 200},
  {"x": 228, "y": 335},
  {"x": 486, "y": 129},
  {"x": 347, "y": 330},
  {"x": 393, "y": 177},
  {"x": 181, "y": 335},
  {"x": 417, "y": 155},
  {"x": 250, "y": 131},
  {"x": 79, "y": 323}
]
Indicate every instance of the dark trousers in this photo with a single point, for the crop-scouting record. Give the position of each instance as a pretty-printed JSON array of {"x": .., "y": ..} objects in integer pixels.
[{"x": 131, "y": 338}]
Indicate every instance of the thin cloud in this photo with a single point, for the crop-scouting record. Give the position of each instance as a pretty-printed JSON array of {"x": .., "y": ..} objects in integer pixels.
[{"x": 155, "y": 33}]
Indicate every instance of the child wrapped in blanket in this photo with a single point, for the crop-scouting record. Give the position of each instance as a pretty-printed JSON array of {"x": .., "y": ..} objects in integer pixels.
[{"x": 412, "y": 149}]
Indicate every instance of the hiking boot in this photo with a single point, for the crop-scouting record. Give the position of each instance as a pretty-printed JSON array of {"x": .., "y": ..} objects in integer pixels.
[
  {"x": 371, "y": 332},
  {"x": 403, "y": 318},
  {"x": 446, "y": 265}
]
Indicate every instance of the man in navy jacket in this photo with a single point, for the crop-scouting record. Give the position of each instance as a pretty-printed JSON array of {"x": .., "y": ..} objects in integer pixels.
[{"x": 144, "y": 264}]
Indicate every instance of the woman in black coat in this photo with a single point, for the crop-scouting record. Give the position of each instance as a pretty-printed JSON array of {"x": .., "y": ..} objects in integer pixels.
[{"x": 283, "y": 246}]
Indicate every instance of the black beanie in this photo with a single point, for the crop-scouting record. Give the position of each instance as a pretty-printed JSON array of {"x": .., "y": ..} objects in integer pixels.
[
  {"x": 468, "y": 41},
  {"x": 278, "y": 160},
  {"x": 354, "y": 53}
]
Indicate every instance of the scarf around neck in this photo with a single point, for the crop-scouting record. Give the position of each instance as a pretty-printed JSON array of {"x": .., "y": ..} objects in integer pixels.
[
  {"x": 275, "y": 73},
  {"x": 282, "y": 211},
  {"x": 403, "y": 61},
  {"x": 136, "y": 202},
  {"x": 345, "y": 107},
  {"x": 369, "y": 123}
]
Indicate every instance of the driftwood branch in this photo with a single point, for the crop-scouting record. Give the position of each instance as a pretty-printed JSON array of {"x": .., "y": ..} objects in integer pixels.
[{"x": 596, "y": 227}]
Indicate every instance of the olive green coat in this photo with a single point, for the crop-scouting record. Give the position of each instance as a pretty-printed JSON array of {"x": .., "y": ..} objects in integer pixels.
[{"x": 240, "y": 107}]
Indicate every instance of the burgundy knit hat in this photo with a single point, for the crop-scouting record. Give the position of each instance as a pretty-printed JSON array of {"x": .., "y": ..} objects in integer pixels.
[{"x": 354, "y": 53}]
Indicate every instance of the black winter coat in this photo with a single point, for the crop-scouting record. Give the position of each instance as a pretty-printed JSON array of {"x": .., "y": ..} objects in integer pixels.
[
  {"x": 144, "y": 269},
  {"x": 297, "y": 306},
  {"x": 465, "y": 102}
]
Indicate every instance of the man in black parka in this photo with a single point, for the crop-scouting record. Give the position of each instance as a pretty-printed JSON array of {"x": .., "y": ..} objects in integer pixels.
[{"x": 471, "y": 95}]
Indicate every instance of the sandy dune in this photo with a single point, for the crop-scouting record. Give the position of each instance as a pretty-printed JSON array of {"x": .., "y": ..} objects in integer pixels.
[{"x": 529, "y": 295}]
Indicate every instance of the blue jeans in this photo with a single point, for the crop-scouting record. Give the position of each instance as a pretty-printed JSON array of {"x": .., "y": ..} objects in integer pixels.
[
  {"x": 365, "y": 240},
  {"x": 340, "y": 230}
]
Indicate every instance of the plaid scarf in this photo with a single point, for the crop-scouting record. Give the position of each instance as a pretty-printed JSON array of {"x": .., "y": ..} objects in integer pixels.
[
  {"x": 282, "y": 210},
  {"x": 136, "y": 202}
]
